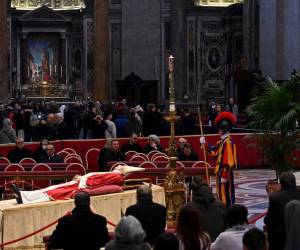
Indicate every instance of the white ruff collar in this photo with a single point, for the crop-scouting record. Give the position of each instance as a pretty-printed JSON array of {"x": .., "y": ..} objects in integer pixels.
[{"x": 224, "y": 136}]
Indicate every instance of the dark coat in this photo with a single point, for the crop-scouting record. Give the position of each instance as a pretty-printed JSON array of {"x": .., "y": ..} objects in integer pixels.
[
  {"x": 81, "y": 230},
  {"x": 63, "y": 131},
  {"x": 152, "y": 216},
  {"x": 51, "y": 159},
  {"x": 191, "y": 157},
  {"x": 39, "y": 132},
  {"x": 188, "y": 124},
  {"x": 212, "y": 211},
  {"x": 148, "y": 149},
  {"x": 152, "y": 123},
  {"x": 107, "y": 155},
  {"x": 275, "y": 217},
  {"x": 98, "y": 129},
  {"x": 131, "y": 147},
  {"x": 16, "y": 155},
  {"x": 39, "y": 153},
  {"x": 51, "y": 132}
]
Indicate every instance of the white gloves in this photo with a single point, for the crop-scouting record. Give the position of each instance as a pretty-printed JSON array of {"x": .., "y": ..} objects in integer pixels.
[
  {"x": 202, "y": 140},
  {"x": 224, "y": 180}
]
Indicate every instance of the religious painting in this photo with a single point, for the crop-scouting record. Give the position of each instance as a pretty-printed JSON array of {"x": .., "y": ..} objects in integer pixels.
[{"x": 43, "y": 58}]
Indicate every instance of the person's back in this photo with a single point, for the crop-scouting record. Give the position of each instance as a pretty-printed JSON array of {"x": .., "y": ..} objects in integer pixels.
[
  {"x": 275, "y": 218},
  {"x": 255, "y": 239},
  {"x": 189, "y": 230},
  {"x": 188, "y": 122},
  {"x": 166, "y": 241},
  {"x": 231, "y": 239},
  {"x": 152, "y": 121},
  {"x": 210, "y": 209},
  {"x": 292, "y": 216},
  {"x": 237, "y": 221},
  {"x": 81, "y": 230},
  {"x": 121, "y": 123},
  {"x": 151, "y": 215}
]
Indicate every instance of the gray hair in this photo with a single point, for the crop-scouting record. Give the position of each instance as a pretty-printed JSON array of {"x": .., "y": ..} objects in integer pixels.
[
  {"x": 7, "y": 123},
  {"x": 143, "y": 193},
  {"x": 154, "y": 138},
  {"x": 129, "y": 230}
]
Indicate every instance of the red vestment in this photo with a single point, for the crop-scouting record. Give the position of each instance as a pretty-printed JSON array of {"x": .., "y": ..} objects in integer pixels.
[{"x": 92, "y": 180}]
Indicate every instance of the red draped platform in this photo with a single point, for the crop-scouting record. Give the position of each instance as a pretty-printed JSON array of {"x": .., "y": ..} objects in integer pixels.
[{"x": 247, "y": 152}]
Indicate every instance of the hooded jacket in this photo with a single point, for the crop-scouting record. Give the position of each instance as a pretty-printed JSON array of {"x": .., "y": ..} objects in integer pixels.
[{"x": 212, "y": 212}]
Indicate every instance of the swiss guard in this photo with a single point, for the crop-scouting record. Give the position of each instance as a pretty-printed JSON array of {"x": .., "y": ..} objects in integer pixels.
[{"x": 224, "y": 152}]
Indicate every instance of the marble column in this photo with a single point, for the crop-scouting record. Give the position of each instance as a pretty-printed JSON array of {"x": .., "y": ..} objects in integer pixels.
[
  {"x": 100, "y": 87},
  {"x": 178, "y": 47},
  {"x": 3, "y": 52},
  {"x": 250, "y": 34},
  {"x": 279, "y": 37}
]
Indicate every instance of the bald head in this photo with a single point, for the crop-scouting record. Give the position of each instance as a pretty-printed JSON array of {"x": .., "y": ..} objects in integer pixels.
[{"x": 144, "y": 194}]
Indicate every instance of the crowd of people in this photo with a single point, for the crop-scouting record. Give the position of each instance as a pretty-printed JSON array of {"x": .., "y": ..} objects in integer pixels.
[
  {"x": 202, "y": 224},
  {"x": 112, "y": 151},
  {"x": 45, "y": 153},
  {"x": 36, "y": 121}
]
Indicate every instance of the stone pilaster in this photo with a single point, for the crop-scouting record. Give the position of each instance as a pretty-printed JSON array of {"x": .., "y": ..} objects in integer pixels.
[
  {"x": 178, "y": 47},
  {"x": 3, "y": 52},
  {"x": 250, "y": 34},
  {"x": 101, "y": 50}
]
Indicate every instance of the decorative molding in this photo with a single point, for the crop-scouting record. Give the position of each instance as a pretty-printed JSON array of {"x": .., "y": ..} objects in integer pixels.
[
  {"x": 53, "y": 4},
  {"x": 216, "y": 3},
  {"x": 211, "y": 59},
  {"x": 191, "y": 89},
  {"x": 89, "y": 30}
]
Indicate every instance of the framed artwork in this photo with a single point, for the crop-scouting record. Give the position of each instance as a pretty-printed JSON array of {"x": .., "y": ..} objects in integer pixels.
[{"x": 43, "y": 58}]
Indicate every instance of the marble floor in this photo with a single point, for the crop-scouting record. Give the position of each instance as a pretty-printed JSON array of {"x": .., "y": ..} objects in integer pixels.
[{"x": 250, "y": 186}]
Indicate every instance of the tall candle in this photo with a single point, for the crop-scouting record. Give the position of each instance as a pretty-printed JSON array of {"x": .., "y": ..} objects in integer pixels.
[
  {"x": 50, "y": 69},
  {"x": 61, "y": 72},
  {"x": 171, "y": 83}
]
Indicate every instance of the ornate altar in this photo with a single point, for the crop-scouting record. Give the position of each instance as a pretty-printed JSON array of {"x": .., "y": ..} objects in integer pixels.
[{"x": 47, "y": 47}]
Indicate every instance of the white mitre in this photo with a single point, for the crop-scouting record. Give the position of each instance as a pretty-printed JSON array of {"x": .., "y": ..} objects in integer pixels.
[{"x": 124, "y": 169}]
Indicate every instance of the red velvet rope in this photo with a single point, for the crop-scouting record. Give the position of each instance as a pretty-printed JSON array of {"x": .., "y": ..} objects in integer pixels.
[
  {"x": 257, "y": 218},
  {"x": 31, "y": 234},
  {"x": 40, "y": 230},
  {"x": 31, "y": 184}
]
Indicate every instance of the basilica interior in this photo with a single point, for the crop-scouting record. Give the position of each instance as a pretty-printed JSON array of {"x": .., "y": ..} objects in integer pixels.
[{"x": 114, "y": 50}]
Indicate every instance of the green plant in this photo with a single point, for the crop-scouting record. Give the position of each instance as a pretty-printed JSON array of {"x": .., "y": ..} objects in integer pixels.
[{"x": 276, "y": 112}]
